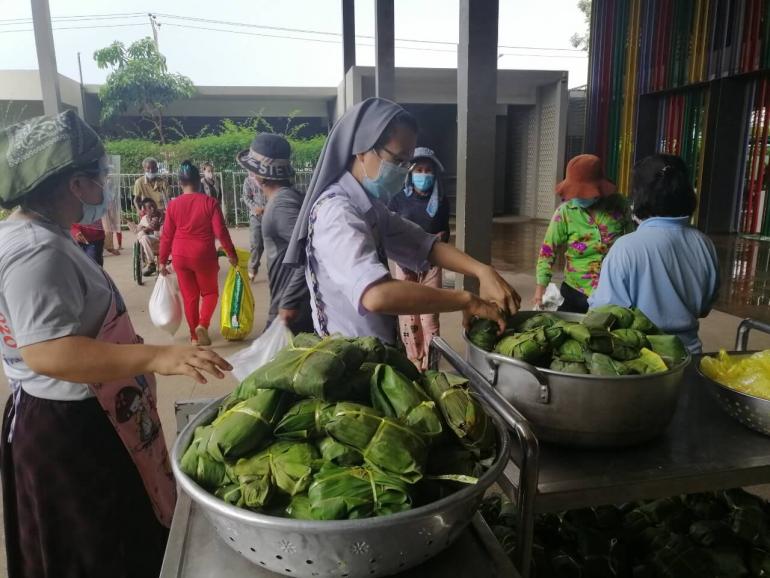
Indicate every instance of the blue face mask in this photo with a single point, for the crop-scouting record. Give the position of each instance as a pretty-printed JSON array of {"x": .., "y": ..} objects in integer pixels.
[
  {"x": 584, "y": 203},
  {"x": 92, "y": 213},
  {"x": 423, "y": 181},
  {"x": 390, "y": 179}
]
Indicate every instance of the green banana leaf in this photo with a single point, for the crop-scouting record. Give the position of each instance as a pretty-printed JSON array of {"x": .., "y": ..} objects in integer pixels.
[
  {"x": 199, "y": 465},
  {"x": 642, "y": 323},
  {"x": 288, "y": 465},
  {"x": 595, "y": 319},
  {"x": 397, "y": 397},
  {"x": 354, "y": 493},
  {"x": 317, "y": 371},
  {"x": 669, "y": 347},
  {"x": 624, "y": 316},
  {"x": 305, "y": 340},
  {"x": 373, "y": 349},
  {"x": 483, "y": 334},
  {"x": 571, "y": 350},
  {"x": 359, "y": 383},
  {"x": 452, "y": 463},
  {"x": 597, "y": 340},
  {"x": 256, "y": 491},
  {"x": 231, "y": 494},
  {"x": 555, "y": 336},
  {"x": 397, "y": 360},
  {"x": 386, "y": 444},
  {"x": 339, "y": 454},
  {"x": 532, "y": 346},
  {"x": 648, "y": 362},
  {"x": 569, "y": 366},
  {"x": 245, "y": 426},
  {"x": 305, "y": 420},
  {"x": 540, "y": 320},
  {"x": 461, "y": 411},
  {"x": 601, "y": 364},
  {"x": 299, "y": 508},
  {"x": 627, "y": 343}
]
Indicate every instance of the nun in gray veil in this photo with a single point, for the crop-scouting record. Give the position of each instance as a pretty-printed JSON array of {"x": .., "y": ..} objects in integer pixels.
[{"x": 345, "y": 235}]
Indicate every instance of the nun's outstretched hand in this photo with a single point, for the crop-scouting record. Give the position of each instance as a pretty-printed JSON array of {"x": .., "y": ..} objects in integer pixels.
[{"x": 492, "y": 287}]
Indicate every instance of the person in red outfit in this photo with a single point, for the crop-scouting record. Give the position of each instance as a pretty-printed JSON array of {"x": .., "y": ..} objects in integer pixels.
[
  {"x": 91, "y": 240},
  {"x": 193, "y": 223}
]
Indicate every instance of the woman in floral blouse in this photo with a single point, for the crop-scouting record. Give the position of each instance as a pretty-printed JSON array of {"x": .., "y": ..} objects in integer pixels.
[{"x": 590, "y": 219}]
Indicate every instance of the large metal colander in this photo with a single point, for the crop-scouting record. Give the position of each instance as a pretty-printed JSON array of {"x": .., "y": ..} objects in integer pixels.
[{"x": 371, "y": 547}]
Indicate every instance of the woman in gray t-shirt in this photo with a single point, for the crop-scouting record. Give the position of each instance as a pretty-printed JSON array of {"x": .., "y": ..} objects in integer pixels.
[{"x": 87, "y": 488}]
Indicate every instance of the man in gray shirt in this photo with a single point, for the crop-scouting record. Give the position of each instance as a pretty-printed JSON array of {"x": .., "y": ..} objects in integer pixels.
[{"x": 269, "y": 161}]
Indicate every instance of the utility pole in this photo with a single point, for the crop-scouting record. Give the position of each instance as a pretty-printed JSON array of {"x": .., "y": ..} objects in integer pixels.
[
  {"x": 154, "y": 25},
  {"x": 46, "y": 57},
  {"x": 82, "y": 90}
]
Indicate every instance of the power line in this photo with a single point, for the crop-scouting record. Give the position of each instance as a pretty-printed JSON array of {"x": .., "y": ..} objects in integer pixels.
[{"x": 77, "y": 27}]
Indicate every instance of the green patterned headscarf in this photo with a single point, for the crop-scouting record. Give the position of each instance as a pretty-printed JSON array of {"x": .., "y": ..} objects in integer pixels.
[{"x": 36, "y": 149}]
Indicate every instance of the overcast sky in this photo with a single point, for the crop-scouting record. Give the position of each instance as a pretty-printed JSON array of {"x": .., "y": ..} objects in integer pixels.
[{"x": 262, "y": 55}]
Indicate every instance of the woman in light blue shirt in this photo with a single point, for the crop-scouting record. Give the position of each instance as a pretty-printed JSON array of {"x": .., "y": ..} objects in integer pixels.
[{"x": 667, "y": 268}]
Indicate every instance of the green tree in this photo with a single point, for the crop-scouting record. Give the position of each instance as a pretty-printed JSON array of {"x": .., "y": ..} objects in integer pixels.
[
  {"x": 139, "y": 81},
  {"x": 582, "y": 40}
]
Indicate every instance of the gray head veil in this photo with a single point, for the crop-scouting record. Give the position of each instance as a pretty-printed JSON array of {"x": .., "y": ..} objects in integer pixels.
[{"x": 355, "y": 132}]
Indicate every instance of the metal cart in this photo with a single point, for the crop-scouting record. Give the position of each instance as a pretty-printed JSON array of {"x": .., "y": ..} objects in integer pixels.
[{"x": 703, "y": 450}]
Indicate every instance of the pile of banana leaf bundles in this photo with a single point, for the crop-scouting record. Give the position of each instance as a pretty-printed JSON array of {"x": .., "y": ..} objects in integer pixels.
[
  {"x": 339, "y": 428},
  {"x": 609, "y": 341}
]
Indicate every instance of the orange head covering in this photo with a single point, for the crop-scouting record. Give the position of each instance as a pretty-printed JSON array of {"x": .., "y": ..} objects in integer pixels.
[{"x": 585, "y": 179}]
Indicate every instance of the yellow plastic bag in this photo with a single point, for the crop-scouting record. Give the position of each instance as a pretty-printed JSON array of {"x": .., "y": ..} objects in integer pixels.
[
  {"x": 745, "y": 373},
  {"x": 237, "y": 319}
]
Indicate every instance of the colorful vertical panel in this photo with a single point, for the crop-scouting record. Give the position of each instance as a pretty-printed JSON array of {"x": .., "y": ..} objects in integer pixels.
[{"x": 754, "y": 213}]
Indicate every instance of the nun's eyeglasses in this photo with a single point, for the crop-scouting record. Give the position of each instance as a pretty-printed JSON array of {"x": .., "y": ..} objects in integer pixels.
[{"x": 395, "y": 159}]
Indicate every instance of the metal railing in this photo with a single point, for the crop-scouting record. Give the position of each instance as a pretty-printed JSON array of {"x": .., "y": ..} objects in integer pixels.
[{"x": 229, "y": 182}]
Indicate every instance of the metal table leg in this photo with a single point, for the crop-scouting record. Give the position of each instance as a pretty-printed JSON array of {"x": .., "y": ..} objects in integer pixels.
[
  {"x": 528, "y": 468},
  {"x": 742, "y": 338}
]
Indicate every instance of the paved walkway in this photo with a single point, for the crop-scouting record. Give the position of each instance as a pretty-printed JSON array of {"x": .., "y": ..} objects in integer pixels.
[{"x": 718, "y": 331}]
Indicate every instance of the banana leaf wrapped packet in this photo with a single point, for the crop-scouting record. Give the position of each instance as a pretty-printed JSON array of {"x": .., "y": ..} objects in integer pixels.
[
  {"x": 627, "y": 343},
  {"x": 601, "y": 364},
  {"x": 231, "y": 494},
  {"x": 642, "y": 323},
  {"x": 461, "y": 411},
  {"x": 386, "y": 444},
  {"x": 647, "y": 363},
  {"x": 373, "y": 349},
  {"x": 598, "y": 340},
  {"x": 483, "y": 334},
  {"x": 571, "y": 350},
  {"x": 397, "y": 397},
  {"x": 316, "y": 371},
  {"x": 532, "y": 346},
  {"x": 289, "y": 467},
  {"x": 536, "y": 321},
  {"x": 397, "y": 360},
  {"x": 339, "y": 454},
  {"x": 669, "y": 347},
  {"x": 624, "y": 317},
  {"x": 305, "y": 340},
  {"x": 305, "y": 420},
  {"x": 199, "y": 465},
  {"x": 577, "y": 367},
  {"x": 299, "y": 508},
  {"x": 359, "y": 383},
  {"x": 596, "y": 319},
  {"x": 246, "y": 425},
  {"x": 353, "y": 493}
]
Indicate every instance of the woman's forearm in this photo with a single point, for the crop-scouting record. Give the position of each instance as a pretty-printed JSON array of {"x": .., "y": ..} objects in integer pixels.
[
  {"x": 450, "y": 257},
  {"x": 86, "y": 360},
  {"x": 405, "y": 298}
]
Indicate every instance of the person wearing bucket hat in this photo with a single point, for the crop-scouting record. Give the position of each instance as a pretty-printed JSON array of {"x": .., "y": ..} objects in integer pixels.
[
  {"x": 268, "y": 158},
  {"x": 87, "y": 491},
  {"x": 591, "y": 217},
  {"x": 422, "y": 202},
  {"x": 345, "y": 235}
]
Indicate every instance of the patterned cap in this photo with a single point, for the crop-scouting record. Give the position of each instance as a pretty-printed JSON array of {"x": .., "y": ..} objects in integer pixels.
[
  {"x": 269, "y": 157},
  {"x": 38, "y": 148},
  {"x": 426, "y": 153}
]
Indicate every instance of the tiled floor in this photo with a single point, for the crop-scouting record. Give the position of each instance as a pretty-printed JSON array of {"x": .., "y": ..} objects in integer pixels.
[{"x": 744, "y": 264}]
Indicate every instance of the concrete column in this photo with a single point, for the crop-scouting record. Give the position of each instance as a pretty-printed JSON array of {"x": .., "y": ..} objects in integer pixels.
[
  {"x": 476, "y": 110},
  {"x": 46, "y": 57},
  {"x": 348, "y": 36},
  {"x": 384, "y": 52}
]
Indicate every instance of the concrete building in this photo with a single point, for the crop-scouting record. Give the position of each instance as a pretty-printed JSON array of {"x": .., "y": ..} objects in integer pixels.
[{"x": 531, "y": 119}]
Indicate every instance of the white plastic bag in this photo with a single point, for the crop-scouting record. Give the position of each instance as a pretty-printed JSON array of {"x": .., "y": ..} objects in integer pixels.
[
  {"x": 166, "y": 305},
  {"x": 552, "y": 299},
  {"x": 263, "y": 349}
]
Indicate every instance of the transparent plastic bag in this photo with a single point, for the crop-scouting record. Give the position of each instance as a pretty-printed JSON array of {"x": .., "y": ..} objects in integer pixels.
[
  {"x": 263, "y": 349},
  {"x": 166, "y": 304},
  {"x": 552, "y": 299}
]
